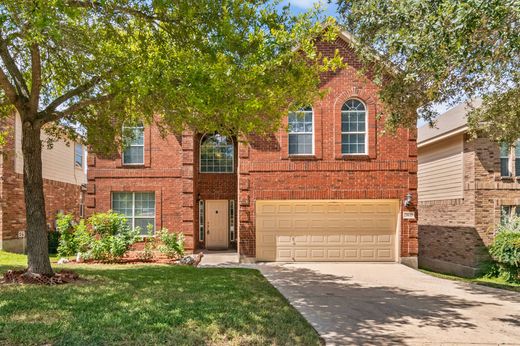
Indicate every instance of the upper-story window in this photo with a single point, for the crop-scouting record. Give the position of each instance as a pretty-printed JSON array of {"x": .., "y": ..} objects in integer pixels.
[
  {"x": 353, "y": 128},
  {"x": 509, "y": 159},
  {"x": 301, "y": 132},
  {"x": 134, "y": 150},
  {"x": 216, "y": 154},
  {"x": 78, "y": 155}
]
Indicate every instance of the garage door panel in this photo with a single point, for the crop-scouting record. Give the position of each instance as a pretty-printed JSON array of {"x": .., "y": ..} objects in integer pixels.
[{"x": 347, "y": 230}]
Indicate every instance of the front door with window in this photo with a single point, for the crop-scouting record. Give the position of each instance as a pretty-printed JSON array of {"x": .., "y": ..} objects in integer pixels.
[{"x": 217, "y": 224}]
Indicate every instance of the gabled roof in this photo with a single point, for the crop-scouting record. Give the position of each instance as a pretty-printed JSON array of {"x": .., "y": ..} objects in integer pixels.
[{"x": 451, "y": 122}]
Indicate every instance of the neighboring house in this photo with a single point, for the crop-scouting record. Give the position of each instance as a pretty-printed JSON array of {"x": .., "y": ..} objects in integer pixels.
[
  {"x": 64, "y": 179},
  {"x": 465, "y": 187},
  {"x": 329, "y": 189}
]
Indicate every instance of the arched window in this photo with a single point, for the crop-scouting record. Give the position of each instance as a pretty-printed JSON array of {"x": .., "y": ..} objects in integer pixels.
[
  {"x": 353, "y": 128},
  {"x": 301, "y": 132},
  {"x": 216, "y": 154}
]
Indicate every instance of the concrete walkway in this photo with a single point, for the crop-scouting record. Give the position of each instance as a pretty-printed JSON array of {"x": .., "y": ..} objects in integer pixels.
[
  {"x": 223, "y": 258},
  {"x": 382, "y": 304}
]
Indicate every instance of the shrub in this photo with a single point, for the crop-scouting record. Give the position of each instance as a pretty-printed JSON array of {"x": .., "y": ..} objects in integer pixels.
[
  {"x": 505, "y": 250},
  {"x": 112, "y": 236},
  {"x": 172, "y": 244},
  {"x": 66, "y": 244}
]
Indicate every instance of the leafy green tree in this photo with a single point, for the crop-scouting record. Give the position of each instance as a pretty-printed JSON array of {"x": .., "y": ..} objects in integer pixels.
[
  {"x": 443, "y": 51},
  {"x": 229, "y": 65}
]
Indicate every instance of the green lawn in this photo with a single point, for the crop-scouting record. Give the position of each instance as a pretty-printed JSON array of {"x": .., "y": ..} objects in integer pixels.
[
  {"x": 150, "y": 304},
  {"x": 485, "y": 281}
]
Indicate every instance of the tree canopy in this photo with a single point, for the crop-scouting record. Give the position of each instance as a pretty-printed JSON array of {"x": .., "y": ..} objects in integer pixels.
[
  {"x": 208, "y": 65},
  {"x": 230, "y": 66},
  {"x": 443, "y": 51}
]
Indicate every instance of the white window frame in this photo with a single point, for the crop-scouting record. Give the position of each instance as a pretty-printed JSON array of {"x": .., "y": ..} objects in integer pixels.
[
  {"x": 126, "y": 128},
  {"x": 76, "y": 163},
  {"x": 202, "y": 219},
  {"x": 232, "y": 233},
  {"x": 232, "y": 156},
  {"x": 512, "y": 158},
  {"x": 301, "y": 133},
  {"x": 133, "y": 208},
  {"x": 355, "y": 132}
]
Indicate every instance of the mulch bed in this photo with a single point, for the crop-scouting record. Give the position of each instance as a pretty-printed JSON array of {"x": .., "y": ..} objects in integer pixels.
[
  {"x": 24, "y": 277},
  {"x": 128, "y": 260}
]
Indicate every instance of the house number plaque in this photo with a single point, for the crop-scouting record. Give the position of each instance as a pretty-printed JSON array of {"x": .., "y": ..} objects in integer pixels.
[{"x": 408, "y": 215}]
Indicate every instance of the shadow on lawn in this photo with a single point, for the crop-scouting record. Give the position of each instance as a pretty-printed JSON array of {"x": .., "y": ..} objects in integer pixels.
[
  {"x": 346, "y": 312},
  {"x": 152, "y": 305}
]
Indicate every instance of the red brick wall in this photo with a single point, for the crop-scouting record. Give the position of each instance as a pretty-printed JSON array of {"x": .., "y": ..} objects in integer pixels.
[
  {"x": 212, "y": 185},
  {"x": 389, "y": 171},
  {"x": 162, "y": 173},
  {"x": 266, "y": 172},
  {"x": 59, "y": 196}
]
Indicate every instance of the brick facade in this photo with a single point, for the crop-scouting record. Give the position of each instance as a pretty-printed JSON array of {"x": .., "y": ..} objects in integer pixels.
[
  {"x": 264, "y": 170},
  {"x": 59, "y": 197},
  {"x": 454, "y": 233}
]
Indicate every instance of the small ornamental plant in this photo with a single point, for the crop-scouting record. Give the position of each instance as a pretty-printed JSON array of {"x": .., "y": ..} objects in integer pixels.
[
  {"x": 150, "y": 245},
  {"x": 172, "y": 244}
]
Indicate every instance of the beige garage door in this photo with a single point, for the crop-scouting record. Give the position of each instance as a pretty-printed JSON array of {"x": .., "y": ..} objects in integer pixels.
[{"x": 326, "y": 230}]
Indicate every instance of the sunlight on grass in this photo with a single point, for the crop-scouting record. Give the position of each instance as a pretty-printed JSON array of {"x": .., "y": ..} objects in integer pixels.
[
  {"x": 150, "y": 304},
  {"x": 485, "y": 281}
]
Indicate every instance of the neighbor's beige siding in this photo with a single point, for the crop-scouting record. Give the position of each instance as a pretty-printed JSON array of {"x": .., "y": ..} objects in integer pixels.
[
  {"x": 57, "y": 163},
  {"x": 440, "y": 172}
]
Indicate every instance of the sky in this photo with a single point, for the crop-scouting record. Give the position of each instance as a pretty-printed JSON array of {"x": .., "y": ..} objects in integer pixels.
[{"x": 298, "y": 6}]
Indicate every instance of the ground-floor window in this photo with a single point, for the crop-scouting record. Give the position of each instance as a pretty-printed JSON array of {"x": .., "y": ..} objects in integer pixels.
[
  {"x": 138, "y": 208},
  {"x": 507, "y": 211}
]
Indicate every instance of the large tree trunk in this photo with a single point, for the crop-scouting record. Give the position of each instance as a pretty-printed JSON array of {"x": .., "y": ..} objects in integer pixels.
[{"x": 37, "y": 242}]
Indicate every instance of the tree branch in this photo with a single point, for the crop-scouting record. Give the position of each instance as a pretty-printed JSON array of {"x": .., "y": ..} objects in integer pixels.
[
  {"x": 47, "y": 117},
  {"x": 12, "y": 69},
  {"x": 70, "y": 94},
  {"x": 36, "y": 83},
  {"x": 9, "y": 89}
]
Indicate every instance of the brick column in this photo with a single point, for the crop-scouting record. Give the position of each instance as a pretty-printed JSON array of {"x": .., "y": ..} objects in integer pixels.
[{"x": 188, "y": 198}]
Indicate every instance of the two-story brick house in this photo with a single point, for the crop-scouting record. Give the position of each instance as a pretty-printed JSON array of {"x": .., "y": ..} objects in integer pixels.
[
  {"x": 466, "y": 187},
  {"x": 64, "y": 182},
  {"x": 330, "y": 188}
]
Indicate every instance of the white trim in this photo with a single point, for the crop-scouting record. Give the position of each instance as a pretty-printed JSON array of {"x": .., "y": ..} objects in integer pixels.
[
  {"x": 133, "y": 145},
  {"x": 357, "y": 132},
  {"x": 441, "y": 137},
  {"x": 133, "y": 208},
  {"x": 232, "y": 157},
  {"x": 202, "y": 220},
  {"x": 231, "y": 217},
  {"x": 302, "y": 133}
]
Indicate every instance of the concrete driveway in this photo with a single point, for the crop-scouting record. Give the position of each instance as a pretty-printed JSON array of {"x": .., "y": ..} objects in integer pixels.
[{"x": 381, "y": 304}]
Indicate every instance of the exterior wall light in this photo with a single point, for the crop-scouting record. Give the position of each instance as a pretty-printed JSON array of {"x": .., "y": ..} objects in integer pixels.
[{"x": 407, "y": 200}]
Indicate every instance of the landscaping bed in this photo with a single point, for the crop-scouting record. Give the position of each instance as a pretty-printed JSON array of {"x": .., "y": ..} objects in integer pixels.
[{"x": 149, "y": 304}]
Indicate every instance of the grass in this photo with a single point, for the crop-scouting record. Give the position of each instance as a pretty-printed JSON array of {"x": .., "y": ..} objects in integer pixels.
[
  {"x": 485, "y": 281},
  {"x": 147, "y": 305}
]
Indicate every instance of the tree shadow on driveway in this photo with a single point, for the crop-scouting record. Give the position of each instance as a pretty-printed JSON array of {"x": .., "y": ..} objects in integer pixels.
[{"x": 347, "y": 312}]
